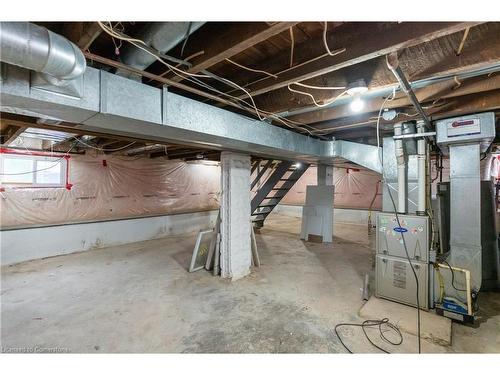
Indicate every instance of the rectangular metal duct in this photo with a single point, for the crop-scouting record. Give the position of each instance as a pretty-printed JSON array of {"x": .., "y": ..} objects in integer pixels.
[
  {"x": 465, "y": 210},
  {"x": 120, "y": 106},
  {"x": 465, "y": 138}
]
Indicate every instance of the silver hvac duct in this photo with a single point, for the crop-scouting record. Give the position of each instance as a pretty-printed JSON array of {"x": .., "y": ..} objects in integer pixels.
[
  {"x": 34, "y": 47},
  {"x": 162, "y": 36}
]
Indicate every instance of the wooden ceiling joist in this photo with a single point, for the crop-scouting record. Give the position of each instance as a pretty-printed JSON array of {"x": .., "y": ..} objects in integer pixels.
[
  {"x": 235, "y": 39},
  {"x": 362, "y": 42},
  {"x": 82, "y": 34},
  {"x": 439, "y": 91},
  {"x": 456, "y": 106},
  {"x": 435, "y": 58},
  {"x": 10, "y": 133},
  {"x": 90, "y": 33}
]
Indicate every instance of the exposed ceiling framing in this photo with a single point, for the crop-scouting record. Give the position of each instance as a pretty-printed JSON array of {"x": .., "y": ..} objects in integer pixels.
[
  {"x": 468, "y": 65},
  {"x": 79, "y": 141}
]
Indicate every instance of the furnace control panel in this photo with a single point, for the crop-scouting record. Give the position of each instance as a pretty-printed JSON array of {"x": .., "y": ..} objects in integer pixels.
[{"x": 415, "y": 230}]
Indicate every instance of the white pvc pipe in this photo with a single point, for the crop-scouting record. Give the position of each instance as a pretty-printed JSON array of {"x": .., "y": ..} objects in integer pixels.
[
  {"x": 401, "y": 161},
  {"x": 421, "y": 163}
]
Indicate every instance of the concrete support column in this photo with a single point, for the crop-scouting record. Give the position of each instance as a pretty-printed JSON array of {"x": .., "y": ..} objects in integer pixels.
[
  {"x": 235, "y": 215},
  {"x": 324, "y": 175}
]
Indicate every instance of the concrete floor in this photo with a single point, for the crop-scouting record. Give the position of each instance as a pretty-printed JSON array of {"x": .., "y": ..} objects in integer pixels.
[{"x": 139, "y": 298}]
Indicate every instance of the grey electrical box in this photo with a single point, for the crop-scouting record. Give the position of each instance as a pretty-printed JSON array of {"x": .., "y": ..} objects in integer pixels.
[{"x": 394, "y": 277}]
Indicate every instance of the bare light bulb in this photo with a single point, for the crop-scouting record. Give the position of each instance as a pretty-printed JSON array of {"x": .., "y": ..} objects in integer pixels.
[{"x": 357, "y": 104}]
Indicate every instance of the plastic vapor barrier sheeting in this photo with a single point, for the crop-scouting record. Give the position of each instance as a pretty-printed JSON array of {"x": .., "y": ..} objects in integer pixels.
[
  {"x": 114, "y": 187},
  {"x": 354, "y": 188}
]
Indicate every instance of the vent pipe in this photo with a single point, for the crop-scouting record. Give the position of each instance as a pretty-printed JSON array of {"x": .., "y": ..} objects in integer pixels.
[
  {"x": 422, "y": 173},
  {"x": 401, "y": 162},
  {"x": 34, "y": 47}
]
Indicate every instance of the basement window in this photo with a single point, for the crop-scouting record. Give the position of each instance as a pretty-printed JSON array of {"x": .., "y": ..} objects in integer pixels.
[{"x": 19, "y": 170}]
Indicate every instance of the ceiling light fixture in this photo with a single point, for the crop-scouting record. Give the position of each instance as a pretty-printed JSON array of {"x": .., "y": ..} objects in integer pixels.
[
  {"x": 355, "y": 89},
  {"x": 357, "y": 104}
]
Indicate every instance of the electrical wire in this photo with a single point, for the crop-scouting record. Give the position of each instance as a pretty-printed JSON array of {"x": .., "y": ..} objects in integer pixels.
[
  {"x": 453, "y": 277},
  {"x": 103, "y": 149},
  {"x": 175, "y": 70},
  {"x": 373, "y": 323},
  {"x": 288, "y": 69},
  {"x": 287, "y": 122},
  {"x": 319, "y": 87},
  {"x": 462, "y": 43},
  {"x": 251, "y": 69},
  {"x": 188, "y": 32},
  {"x": 193, "y": 79},
  {"x": 330, "y": 53},
  {"x": 320, "y": 105},
  {"x": 385, "y": 320},
  {"x": 143, "y": 46},
  {"x": 371, "y": 206},
  {"x": 292, "y": 45},
  {"x": 57, "y": 161},
  {"x": 399, "y": 223}
]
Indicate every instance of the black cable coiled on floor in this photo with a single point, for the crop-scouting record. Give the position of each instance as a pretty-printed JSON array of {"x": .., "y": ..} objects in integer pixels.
[{"x": 373, "y": 323}]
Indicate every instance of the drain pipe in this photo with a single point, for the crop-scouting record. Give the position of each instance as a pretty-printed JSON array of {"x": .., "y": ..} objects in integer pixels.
[
  {"x": 421, "y": 164},
  {"x": 401, "y": 161},
  {"x": 36, "y": 48}
]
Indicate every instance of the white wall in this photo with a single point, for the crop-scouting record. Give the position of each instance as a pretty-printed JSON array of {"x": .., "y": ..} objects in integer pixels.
[
  {"x": 18, "y": 245},
  {"x": 340, "y": 215}
]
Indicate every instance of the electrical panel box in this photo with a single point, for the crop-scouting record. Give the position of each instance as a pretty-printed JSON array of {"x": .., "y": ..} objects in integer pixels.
[
  {"x": 479, "y": 127},
  {"x": 394, "y": 277},
  {"x": 416, "y": 235},
  {"x": 395, "y": 281}
]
